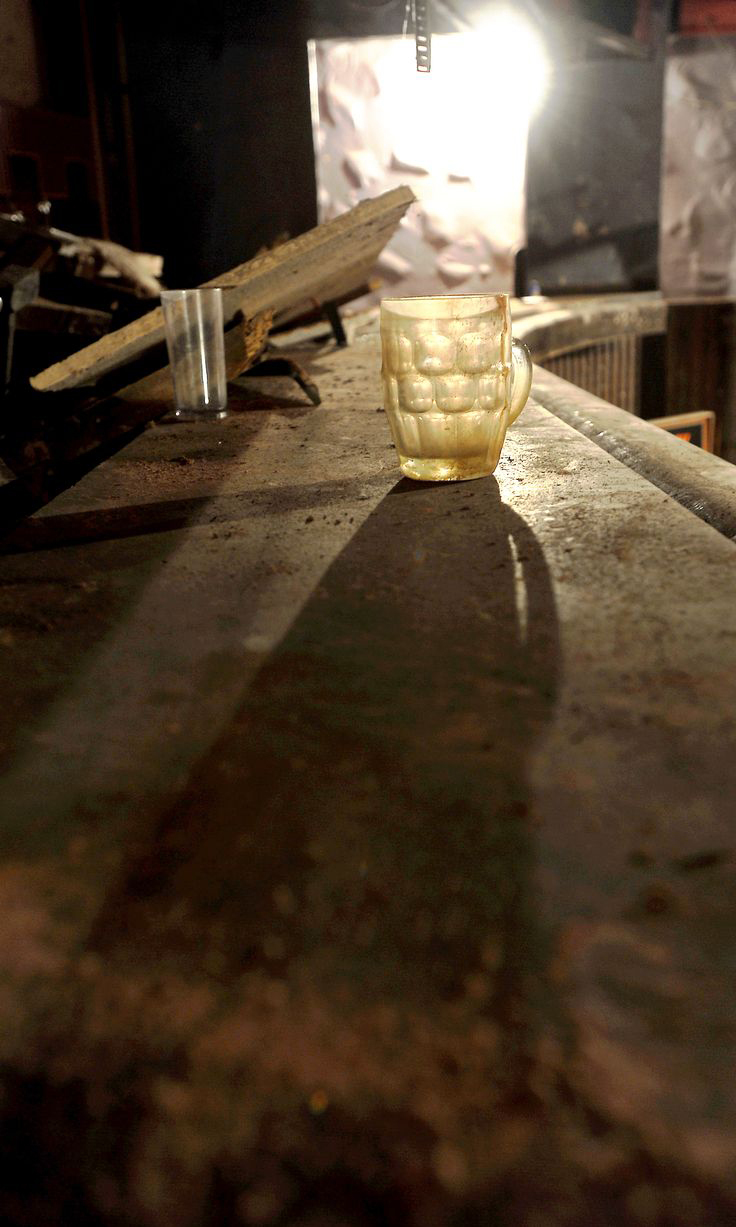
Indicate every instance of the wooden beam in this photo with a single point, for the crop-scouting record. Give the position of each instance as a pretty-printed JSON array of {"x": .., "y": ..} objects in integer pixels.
[
  {"x": 315, "y": 267},
  {"x": 37, "y": 464}
]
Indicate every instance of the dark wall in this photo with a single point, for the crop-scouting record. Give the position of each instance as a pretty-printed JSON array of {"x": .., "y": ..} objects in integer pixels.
[
  {"x": 219, "y": 97},
  {"x": 58, "y": 31},
  {"x": 594, "y": 170}
]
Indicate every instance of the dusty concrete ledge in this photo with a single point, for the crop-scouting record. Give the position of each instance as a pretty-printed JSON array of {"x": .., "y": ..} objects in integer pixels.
[
  {"x": 367, "y": 849},
  {"x": 551, "y": 327},
  {"x": 703, "y": 483}
]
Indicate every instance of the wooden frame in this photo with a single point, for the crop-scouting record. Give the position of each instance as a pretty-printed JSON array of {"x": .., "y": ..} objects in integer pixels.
[{"x": 684, "y": 425}]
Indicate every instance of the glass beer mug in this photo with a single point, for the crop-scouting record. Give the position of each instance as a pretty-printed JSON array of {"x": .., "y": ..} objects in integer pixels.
[{"x": 453, "y": 382}]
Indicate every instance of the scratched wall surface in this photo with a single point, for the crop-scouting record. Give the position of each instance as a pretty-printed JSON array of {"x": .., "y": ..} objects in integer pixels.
[
  {"x": 698, "y": 246},
  {"x": 377, "y": 123}
]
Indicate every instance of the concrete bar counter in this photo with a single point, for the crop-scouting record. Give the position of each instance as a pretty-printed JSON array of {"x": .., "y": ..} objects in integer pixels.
[{"x": 367, "y": 847}]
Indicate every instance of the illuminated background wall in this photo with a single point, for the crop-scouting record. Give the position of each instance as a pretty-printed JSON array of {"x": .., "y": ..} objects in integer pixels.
[{"x": 457, "y": 136}]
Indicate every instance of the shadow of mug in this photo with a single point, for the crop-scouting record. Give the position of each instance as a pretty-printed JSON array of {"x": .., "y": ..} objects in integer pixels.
[{"x": 362, "y": 832}]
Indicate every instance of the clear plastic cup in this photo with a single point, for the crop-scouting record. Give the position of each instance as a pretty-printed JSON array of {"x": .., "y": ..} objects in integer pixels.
[{"x": 196, "y": 343}]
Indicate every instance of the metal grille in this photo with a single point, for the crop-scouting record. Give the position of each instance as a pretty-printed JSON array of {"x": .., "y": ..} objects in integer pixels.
[{"x": 609, "y": 369}]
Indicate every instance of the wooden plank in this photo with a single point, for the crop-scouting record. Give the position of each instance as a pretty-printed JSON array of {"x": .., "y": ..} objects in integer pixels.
[
  {"x": 38, "y": 463},
  {"x": 63, "y": 319},
  {"x": 314, "y": 267}
]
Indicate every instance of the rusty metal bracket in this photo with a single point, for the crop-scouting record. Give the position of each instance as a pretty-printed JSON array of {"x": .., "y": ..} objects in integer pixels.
[
  {"x": 18, "y": 287},
  {"x": 269, "y": 366}
]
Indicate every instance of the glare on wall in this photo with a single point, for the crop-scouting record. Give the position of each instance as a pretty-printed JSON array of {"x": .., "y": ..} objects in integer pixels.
[{"x": 456, "y": 135}]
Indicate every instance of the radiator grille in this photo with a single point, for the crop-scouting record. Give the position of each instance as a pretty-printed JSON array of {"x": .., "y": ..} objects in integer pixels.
[{"x": 609, "y": 369}]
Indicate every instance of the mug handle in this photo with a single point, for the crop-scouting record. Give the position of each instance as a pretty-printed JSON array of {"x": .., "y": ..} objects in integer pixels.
[{"x": 521, "y": 378}]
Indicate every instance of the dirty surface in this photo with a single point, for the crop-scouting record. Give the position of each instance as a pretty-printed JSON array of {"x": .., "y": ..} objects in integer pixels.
[{"x": 367, "y": 850}]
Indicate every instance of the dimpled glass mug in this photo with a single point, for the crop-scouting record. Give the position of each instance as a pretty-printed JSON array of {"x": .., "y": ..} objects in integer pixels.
[{"x": 453, "y": 381}]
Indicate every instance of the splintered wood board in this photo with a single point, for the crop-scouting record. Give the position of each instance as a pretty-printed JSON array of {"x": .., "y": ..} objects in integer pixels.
[
  {"x": 315, "y": 267},
  {"x": 244, "y": 343},
  {"x": 34, "y": 469}
]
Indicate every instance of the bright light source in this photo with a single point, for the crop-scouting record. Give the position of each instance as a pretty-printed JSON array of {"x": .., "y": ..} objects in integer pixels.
[
  {"x": 521, "y": 64},
  {"x": 470, "y": 115},
  {"x": 457, "y": 135}
]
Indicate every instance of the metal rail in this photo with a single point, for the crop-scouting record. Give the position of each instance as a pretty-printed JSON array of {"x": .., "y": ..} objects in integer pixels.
[{"x": 589, "y": 374}]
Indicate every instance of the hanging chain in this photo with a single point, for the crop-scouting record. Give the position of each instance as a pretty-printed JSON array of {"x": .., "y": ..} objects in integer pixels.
[{"x": 417, "y": 14}]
